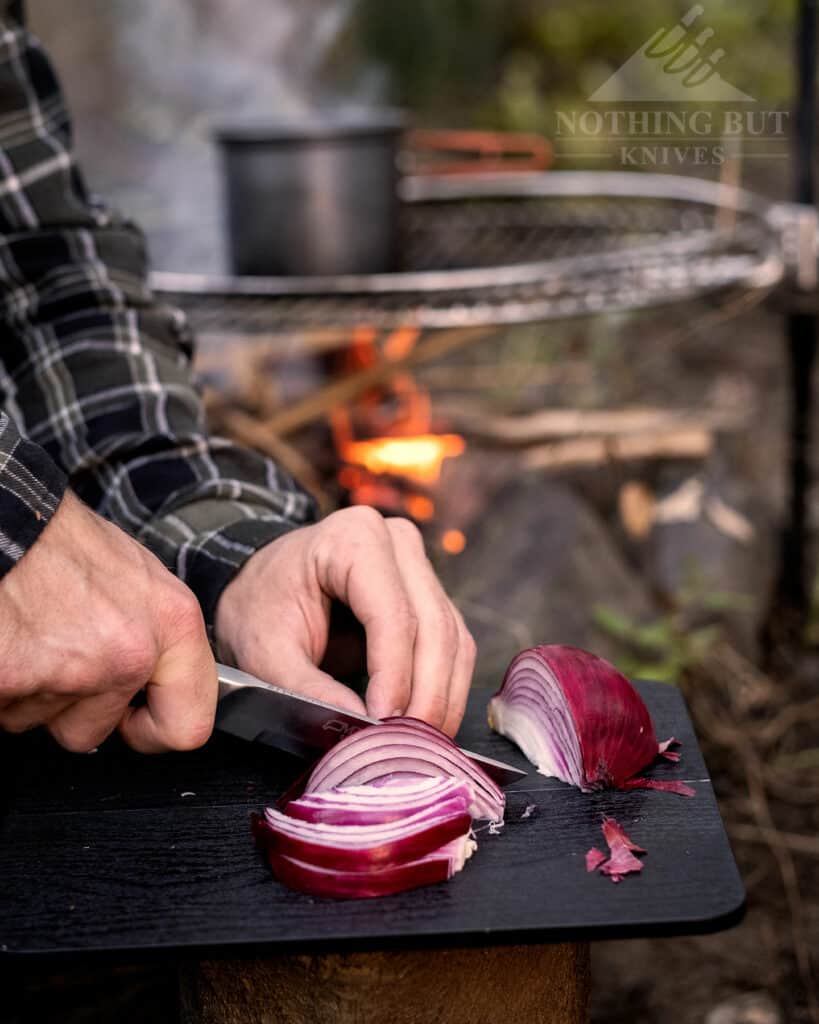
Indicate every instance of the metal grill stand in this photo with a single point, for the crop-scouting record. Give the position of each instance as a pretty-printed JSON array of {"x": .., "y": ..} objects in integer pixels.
[{"x": 505, "y": 249}]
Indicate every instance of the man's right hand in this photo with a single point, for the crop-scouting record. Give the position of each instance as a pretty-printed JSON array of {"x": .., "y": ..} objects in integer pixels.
[{"x": 88, "y": 617}]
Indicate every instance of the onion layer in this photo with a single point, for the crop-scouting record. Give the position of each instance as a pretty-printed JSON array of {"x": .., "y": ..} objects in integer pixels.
[
  {"x": 404, "y": 748},
  {"x": 360, "y": 846},
  {"x": 378, "y": 805},
  {"x": 579, "y": 720},
  {"x": 363, "y": 841},
  {"x": 438, "y": 866}
]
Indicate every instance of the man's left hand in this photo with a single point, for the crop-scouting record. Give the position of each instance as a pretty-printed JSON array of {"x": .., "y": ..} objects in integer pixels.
[{"x": 273, "y": 618}]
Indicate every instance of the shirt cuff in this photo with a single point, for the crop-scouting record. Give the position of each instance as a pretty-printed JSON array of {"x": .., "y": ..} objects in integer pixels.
[
  {"x": 213, "y": 544},
  {"x": 31, "y": 486}
]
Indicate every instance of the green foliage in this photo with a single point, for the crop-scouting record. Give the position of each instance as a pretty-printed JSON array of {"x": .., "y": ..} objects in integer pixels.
[
  {"x": 664, "y": 648},
  {"x": 508, "y": 64}
]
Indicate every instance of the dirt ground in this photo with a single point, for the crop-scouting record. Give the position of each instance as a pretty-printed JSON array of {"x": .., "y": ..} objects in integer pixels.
[{"x": 764, "y": 762}]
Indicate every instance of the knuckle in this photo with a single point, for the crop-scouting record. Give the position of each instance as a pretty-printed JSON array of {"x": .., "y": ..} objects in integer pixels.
[
  {"x": 12, "y": 685},
  {"x": 448, "y": 625},
  {"x": 364, "y": 518},
  {"x": 437, "y": 708},
  {"x": 466, "y": 641},
  {"x": 76, "y": 677},
  {"x": 453, "y": 720},
  {"x": 470, "y": 647},
  {"x": 195, "y": 734},
  {"x": 407, "y": 531},
  {"x": 406, "y": 619},
  {"x": 438, "y": 623},
  {"x": 133, "y": 659},
  {"x": 185, "y": 613}
]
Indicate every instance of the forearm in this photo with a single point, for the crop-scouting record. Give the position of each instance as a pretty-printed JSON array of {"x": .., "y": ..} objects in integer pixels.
[{"x": 98, "y": 370}]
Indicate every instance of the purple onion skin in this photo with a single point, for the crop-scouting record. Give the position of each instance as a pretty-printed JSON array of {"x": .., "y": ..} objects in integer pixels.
[
  {"x": 359, "y": 884},
  {"x": 409, "y": 733},
  {"x": 614, "y": 728},
  {"x": 376, "y": 750},
  {"x": 334, "y": 814},
  {"x": 425, "y": 840}
]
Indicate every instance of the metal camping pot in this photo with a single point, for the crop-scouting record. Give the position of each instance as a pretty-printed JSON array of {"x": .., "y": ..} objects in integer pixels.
[{"x": 317, "y": 196}]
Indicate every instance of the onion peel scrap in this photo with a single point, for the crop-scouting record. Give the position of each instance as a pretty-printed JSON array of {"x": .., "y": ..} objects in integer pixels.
[{"x": 621, "y": 860}]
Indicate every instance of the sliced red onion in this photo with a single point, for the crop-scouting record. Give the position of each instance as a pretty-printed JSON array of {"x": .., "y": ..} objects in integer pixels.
[
  {"x": 579, "y": 720},
  {"x": 357, "y": 847},
  {"x": 374, "y": 805},
  {"x": 437, "y": 866},
  {"x": 388, "y": 808},
  {"x": 399, "y": 748}
]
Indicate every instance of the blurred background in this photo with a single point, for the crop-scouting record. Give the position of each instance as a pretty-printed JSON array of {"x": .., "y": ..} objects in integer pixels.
[
  {"x": 614, "y": 472},
  {"x": 146, "y": 80}
]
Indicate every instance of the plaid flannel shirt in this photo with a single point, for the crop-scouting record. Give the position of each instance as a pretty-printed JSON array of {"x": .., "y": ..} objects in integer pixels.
[{"x": 95, "y": 383}]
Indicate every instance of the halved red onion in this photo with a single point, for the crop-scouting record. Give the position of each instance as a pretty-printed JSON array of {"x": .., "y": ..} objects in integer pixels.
[
  {"x": 579, "y": 720},
  {"x": 438, "y": 866},
  {"x": 374, "y": 805},
  {"x": 400, "y": 748}
]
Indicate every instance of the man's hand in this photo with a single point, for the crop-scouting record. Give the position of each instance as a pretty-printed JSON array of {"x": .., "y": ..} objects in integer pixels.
[
  {"x": 273, "y": 618},
  {"x": 87, "y": 618}
]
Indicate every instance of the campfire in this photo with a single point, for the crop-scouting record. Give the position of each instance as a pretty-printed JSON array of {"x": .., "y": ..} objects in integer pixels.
[{"x": 390, "y": 455}]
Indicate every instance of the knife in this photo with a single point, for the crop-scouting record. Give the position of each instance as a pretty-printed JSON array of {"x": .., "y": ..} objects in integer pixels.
[{"x": 254, "y": 710}]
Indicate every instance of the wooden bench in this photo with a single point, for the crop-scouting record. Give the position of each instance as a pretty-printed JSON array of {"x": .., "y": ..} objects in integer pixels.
[{"x": 118, "y": 855}]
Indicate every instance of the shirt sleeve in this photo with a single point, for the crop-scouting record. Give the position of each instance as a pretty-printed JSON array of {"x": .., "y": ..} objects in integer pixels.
[
  {"x": 31, "y": 486},
  {"x": 95, "y": 372}
]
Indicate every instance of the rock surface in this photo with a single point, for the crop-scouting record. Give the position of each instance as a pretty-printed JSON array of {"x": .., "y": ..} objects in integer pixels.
[{"x": 540, "y": 562}]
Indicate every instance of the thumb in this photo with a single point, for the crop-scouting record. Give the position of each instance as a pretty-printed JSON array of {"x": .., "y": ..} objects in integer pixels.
[{"x": 181, "y": 698}]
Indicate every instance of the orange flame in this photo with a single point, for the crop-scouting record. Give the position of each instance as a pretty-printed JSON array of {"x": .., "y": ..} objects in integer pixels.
[
  {"x": 417, "y": 458},
  {"x": 405, "y": 445}
]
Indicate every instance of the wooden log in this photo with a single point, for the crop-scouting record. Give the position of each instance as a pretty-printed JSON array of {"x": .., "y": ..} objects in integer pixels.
[
  {"x": 558, "y": 424},
  {"x": 692, "y": 443},
  {"x": 497, "y": 376},
  {"x": 347, "y": 389},
  {"x": 502, "y": 984}
]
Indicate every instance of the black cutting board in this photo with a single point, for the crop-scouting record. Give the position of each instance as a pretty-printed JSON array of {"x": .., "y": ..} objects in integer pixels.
[{"x": 115, "y": 852}]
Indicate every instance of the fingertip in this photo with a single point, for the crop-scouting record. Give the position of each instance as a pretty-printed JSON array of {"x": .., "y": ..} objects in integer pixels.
[{"x": 383, "y": 704}]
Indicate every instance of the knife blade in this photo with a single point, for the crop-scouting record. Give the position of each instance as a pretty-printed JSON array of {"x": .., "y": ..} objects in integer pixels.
[{"x": 257, "y": 711}]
